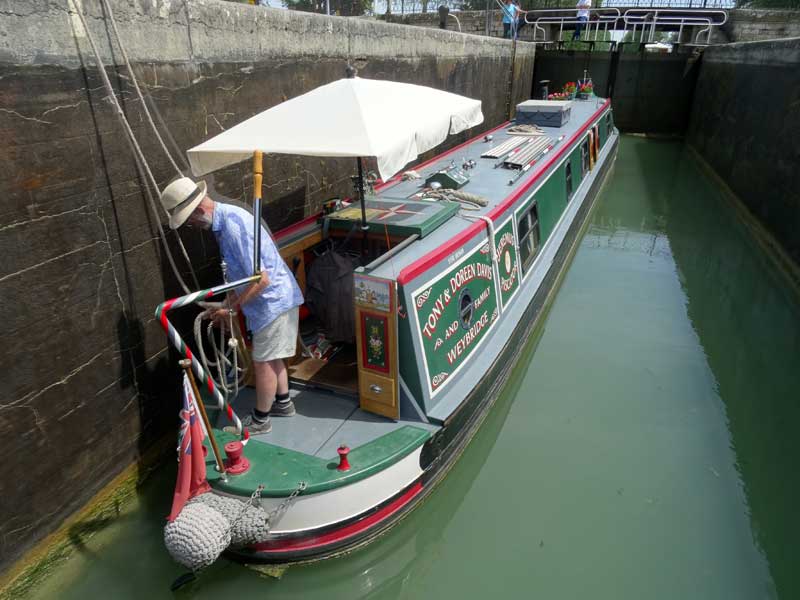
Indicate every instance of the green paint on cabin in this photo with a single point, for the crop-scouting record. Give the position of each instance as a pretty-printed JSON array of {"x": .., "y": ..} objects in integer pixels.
[
  {"x": 551, "y": 199},
  {"x": 281, "y": 470}
]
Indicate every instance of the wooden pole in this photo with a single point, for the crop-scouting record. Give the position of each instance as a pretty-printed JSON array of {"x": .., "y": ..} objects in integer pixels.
[
  {"x": 186, "y": 364},
  {"x": 258, "y": 171}
]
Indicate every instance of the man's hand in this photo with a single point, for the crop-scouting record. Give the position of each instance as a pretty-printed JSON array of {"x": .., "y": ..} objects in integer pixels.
[{"x": 221, "y": 317}]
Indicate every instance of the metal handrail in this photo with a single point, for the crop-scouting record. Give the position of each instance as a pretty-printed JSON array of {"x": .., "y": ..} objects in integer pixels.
[
  {"x": 657, "y": 16},
  {"x": 632, "y": 19},
  {"x": 605, "y": 17},
  {"x": 177, "y": 341}
]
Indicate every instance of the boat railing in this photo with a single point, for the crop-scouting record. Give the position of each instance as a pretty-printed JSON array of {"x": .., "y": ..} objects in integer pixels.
[
  {"x": 643, "y": 22},
  {"x": 202, "y": 376}
]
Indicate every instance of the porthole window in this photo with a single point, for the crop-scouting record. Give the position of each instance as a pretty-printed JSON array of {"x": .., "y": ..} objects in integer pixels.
[{"x": 465, "y": 309}]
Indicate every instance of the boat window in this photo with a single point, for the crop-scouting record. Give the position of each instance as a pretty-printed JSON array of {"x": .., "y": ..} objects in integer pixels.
[
  {"x": 584, "y": 158},
  {"x": 528, "y": 230},
  {"x": 609, "y": 126},
  {"x": 568, "y": 172}
]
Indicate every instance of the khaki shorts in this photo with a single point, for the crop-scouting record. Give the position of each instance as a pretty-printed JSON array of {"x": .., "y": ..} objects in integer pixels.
[{"x": 278, "y": 339}]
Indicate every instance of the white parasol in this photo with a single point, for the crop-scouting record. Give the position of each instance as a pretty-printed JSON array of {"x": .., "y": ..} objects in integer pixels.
[{"x": 393, "y": 122}]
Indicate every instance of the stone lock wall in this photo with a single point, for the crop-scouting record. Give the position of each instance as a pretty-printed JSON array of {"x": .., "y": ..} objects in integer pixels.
[
  {"x": 745, "y": 123},
  {"x": 89, "y": 382},
  {"x": 748, "y": 25}
]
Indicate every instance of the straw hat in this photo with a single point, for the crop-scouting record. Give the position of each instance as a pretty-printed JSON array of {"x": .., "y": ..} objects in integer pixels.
[{"x": 180, "y": 198}]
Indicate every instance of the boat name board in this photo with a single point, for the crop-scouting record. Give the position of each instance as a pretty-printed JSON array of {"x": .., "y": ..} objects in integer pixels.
[
  {"x": 454, "y": 313},
  {"x": 507, "y": 260}
]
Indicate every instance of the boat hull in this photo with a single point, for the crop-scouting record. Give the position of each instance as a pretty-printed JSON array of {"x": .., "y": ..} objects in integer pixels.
[{"x": 439, "y": 454}]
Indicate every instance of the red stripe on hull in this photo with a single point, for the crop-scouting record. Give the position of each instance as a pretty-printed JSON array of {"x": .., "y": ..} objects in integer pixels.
[
  {"x": 333, "y": 537},
  {"x": 424, "y": 263}
]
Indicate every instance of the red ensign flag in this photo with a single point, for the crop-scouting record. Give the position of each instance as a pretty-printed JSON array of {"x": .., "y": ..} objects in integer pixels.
[{"x": 191, "y": 458}]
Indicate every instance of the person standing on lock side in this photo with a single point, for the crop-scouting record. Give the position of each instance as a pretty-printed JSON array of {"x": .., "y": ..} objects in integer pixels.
[{"x": 583, "y": 7}]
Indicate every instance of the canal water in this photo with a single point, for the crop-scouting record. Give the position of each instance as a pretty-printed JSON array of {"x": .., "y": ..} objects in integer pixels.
[{"x": 646, "y": 446}]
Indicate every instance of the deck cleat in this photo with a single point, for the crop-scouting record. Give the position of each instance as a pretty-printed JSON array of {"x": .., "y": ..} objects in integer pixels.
[
  {"x": 236, "y": 463},
  {"x": 344, "y": 464}
]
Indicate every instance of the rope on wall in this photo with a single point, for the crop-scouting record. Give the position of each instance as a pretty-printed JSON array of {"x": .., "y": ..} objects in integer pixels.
[{"x": 141, "y": 161}]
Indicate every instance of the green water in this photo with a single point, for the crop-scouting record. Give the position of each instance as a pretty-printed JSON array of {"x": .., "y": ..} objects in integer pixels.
[{"x": 645, "y": 448}]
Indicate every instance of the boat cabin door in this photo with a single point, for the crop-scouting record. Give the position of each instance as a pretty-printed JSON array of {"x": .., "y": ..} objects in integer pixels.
[{"x": 376, "y": 341}]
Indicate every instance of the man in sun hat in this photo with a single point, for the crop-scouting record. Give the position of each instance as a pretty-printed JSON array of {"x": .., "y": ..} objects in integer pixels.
[{"x": 270, "y": 305}]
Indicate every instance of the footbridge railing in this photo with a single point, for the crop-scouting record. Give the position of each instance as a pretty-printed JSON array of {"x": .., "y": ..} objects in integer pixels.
[
  {"x": 601, "y": 19},
  {"x": 647, "y": 21},
  {"x": 614, "y": 24}
]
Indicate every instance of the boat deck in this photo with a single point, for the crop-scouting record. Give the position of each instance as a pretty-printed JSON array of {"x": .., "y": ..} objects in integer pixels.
[
  {"x": 324, "y": 421},
  {"x": 304, "y": 447}
]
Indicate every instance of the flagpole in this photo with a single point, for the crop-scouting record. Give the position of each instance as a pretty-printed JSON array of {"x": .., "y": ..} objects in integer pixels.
[{"x": 187, "y": 367}]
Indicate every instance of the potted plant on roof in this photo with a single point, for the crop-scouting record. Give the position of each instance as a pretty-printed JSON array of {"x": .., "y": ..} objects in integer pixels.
[
  {"x": 585, "y": 90},
  {"x": 569, "y": 89}
]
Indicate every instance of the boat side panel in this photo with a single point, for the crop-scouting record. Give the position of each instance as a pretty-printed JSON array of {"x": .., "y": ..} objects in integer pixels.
[
  {"x": 447, "y": 443},
  {"x": 441, "y": 344},
  {"x": 460, "y": 387},
  {"x": 452, "y": 315}
]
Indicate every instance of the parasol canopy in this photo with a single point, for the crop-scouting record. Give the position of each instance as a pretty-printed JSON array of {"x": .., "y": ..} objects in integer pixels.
[{"x": 393, "y": 122}]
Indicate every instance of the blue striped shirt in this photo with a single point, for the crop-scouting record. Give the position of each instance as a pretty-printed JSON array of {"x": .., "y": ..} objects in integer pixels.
[{"x": 233, "y": 228}]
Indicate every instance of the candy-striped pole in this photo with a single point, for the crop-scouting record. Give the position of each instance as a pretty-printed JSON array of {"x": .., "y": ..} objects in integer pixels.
[{"x": 177, "y": 341}]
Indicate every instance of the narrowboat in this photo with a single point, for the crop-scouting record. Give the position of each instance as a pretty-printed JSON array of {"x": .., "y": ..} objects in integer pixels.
[{"x": 442, "y": 272}]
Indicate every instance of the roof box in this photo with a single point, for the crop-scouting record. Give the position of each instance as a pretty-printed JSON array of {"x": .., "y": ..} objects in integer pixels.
[{"x": 545, "y": 113}]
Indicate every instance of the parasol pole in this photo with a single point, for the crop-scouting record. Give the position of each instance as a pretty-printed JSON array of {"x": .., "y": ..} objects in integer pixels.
[
  {"x": 257, "y": 177},
  {"x": 364, "y": 224},
  {"x": 350, "y": 73}
]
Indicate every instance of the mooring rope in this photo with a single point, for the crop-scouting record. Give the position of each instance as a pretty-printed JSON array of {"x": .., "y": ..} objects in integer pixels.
[{"x": 139, "y": 156}]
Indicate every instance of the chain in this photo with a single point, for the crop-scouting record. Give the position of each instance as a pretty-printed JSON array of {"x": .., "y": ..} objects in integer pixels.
[
  {"x": 275, "y": 514},
  {"x": 254, "y": 497}
]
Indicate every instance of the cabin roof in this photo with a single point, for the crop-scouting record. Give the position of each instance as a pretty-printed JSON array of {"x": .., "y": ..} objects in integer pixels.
[{"x": 486, "y": 181}]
